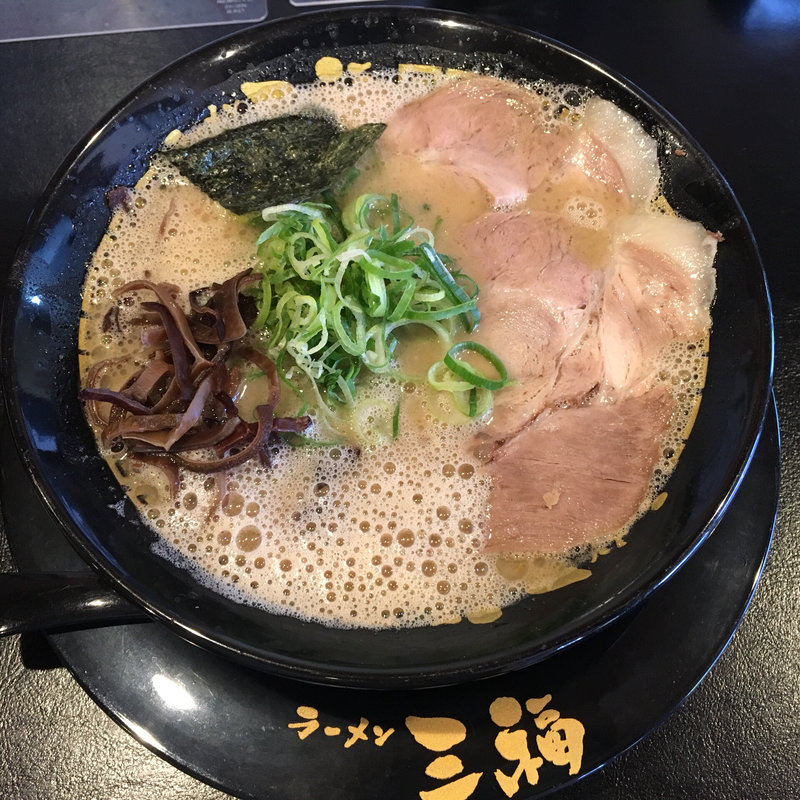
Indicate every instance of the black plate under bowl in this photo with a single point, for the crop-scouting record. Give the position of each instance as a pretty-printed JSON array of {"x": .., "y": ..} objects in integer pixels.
[{"x": 39, "y": 360}]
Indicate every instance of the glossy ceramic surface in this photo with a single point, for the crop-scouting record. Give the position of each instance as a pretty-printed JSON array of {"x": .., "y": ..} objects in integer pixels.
[
  {"x": 254, "y": 736},
  {"x": 39, "y": 361}
]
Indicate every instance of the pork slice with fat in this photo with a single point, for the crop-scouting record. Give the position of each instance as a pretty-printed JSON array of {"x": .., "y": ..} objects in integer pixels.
[
  {"x": 659, "y": 289},
  {"x": 613, "y": 149},
  {"x": 576, "y": 476},
  {"x": 491, "y": 130}
]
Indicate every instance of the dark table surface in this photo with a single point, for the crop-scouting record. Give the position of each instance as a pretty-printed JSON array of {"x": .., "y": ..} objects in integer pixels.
[{"x": 730, "y": 72}]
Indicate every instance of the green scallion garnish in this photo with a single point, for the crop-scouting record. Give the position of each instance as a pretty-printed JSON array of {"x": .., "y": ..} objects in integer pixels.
[{"x": 336, "y": 286}]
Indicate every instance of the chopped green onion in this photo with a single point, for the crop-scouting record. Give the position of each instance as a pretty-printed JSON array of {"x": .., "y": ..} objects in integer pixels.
[
  {"x": 335, "y": 287},
  {"x": 336, "y": 284},
  {"x": 468, "y": 373},
  {"x": 396, "y": 420},
  {"x": 444, "y": 383},
  {"x": 273, "y": 212},
  {"x": 473, "y": 403},
  {"x": 456, "y": 294},
  {"x": 471, "y": 392},
  {"x": 395, "y": 208}
]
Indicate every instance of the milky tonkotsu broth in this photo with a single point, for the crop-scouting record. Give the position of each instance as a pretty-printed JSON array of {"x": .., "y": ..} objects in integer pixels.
[{"x": 391, "y": 535}]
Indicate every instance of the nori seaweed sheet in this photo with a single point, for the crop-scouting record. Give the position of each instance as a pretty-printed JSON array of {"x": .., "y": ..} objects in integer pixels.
[{"x": 281, "y": 160}]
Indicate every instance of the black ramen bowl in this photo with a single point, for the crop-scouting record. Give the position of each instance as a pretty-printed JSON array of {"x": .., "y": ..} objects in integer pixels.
[{"x": 39, "y": 359}]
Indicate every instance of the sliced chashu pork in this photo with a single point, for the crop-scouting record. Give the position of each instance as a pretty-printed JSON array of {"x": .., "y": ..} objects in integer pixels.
[
  {"x": 487, "y": 129},
  {"x": 611, "y": 148},
  {"x": 609, "y": 168},
  {"x": 500, "y": 134},
  {"x": 659, "y": 289},
  {"x": 536, "y": 302},
  {"x": 563, "y": 329},
  {"x": 576, "y": 476}
]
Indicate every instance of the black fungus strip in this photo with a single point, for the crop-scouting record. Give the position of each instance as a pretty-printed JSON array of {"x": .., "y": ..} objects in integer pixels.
[
  {"x": 263, "y": 431},
  {"x": 181, "y": 400}
]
